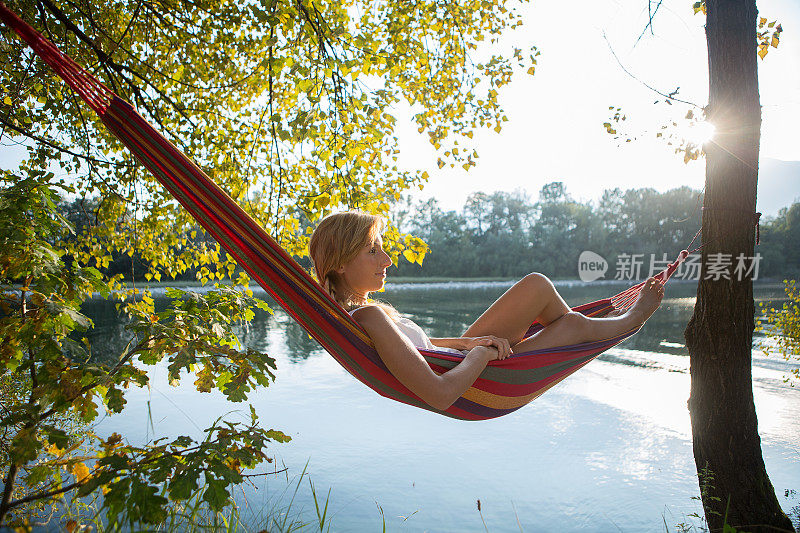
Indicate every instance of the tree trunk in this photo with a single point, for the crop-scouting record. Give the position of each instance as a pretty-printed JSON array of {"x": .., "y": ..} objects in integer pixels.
[{"x": 734, "y": 485}]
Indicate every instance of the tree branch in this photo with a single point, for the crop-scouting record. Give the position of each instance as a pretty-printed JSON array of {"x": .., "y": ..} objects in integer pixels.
[
  {"x": 54, "y": 146},
  {"x": 670, "y": 96},
  {"x": 42, "y": 495},
  {"x": 9, "y": 480},
  {"x": 651, "y": 13},
  {"x": 107, "y": 60}
]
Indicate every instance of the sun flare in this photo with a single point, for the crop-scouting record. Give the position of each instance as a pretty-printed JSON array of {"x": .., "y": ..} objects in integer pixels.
[{"x": 699, "y": 133}]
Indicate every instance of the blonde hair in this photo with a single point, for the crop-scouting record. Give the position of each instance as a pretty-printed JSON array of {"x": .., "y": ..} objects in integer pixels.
[{"x": 336, "y": 241}]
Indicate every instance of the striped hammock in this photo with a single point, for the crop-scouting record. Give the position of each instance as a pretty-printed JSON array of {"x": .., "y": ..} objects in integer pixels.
[{"x": 503, "y": 387}]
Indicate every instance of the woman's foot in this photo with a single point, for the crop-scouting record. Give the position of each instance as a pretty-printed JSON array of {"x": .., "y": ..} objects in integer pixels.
[{"x": 648, "y": 301}]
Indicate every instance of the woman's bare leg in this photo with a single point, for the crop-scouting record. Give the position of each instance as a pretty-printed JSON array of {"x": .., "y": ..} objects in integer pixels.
[
  {"x": 533, "y": 298},
  {"x": 510, "y": 316}
]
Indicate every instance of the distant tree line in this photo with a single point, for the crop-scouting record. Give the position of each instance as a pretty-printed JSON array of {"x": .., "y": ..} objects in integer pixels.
[{"x": 506, "y": 234}]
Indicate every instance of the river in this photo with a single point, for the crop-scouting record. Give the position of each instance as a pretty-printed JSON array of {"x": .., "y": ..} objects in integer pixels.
[{"x": 608, "y": 449}]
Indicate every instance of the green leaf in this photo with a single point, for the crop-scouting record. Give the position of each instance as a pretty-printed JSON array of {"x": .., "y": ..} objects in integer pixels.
[
  {"x": 37, "y": 474},
  {"x": 91, "y": 485},
  {"x": 183, "y": 484},
  {"x": 215, "y": 494},
  {"x": 146, "y": 504},
  {"x": 278, "y": 436},
  {"x": 115, "y": 400},
  {"x": 56, "y": 436}
]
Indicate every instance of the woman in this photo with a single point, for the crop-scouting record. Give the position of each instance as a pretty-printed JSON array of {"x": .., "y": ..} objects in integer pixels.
[{"x": 349, "y": 260}]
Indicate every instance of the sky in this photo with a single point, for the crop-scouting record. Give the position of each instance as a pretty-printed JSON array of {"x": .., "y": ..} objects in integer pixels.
[{"x": 555, "y": 129}]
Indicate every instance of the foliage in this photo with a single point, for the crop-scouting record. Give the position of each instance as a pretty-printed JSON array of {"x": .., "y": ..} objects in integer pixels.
[
  {"x": 290, "y": 105},
  {"x": 276, "y": 512},
  {"x": 769, "y": 36},
  {"x": 507, "y": 234},
  {"x": 782, "y": 324},
  {"x": 779, "y": 236},
  {"x": 50, "y": 376}
]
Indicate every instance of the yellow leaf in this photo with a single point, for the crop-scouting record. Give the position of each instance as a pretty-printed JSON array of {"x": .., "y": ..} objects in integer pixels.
[
  {"x": 409, "y": 255},
  {"x": 531, "y": 70},
  {"x": 322, "y": 200},
  {"x": 7, "y": 100},
  {"x": 440, "y": 163},
  {"x": 80, "y": 471},
  {"x": 763, "y": 50},
  {"x": 497, "y": 128},
  {"x": 55, "y": 450}
]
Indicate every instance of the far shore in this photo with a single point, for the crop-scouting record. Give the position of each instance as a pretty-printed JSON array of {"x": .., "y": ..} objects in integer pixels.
[{"x": 405, "y": 280}]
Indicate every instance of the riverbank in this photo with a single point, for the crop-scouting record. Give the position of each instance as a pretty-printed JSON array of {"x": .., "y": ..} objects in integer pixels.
[{"x": 404, "y": 280}]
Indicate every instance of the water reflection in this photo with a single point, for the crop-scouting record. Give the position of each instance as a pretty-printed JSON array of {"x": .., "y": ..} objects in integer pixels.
[
  {"x": 109, "y": 337},
  {"x": 300, "y": 345},
  {"x": 255, "y": 334},
  {"x": 607, "y": 449}
]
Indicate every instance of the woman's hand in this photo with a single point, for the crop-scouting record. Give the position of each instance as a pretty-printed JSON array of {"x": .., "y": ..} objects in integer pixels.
[
  {"x": 502, "y": 346},
  {"x": 485, "y": 354}
]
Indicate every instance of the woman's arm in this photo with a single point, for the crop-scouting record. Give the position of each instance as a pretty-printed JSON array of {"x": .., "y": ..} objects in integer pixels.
[
  {"x": 406, "y": 364},
  {"x": 467, "y": 343},
  {"x": 449, "y": 342}
]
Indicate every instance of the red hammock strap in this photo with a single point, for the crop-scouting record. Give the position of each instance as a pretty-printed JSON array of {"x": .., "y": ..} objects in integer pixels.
[
  {"x": 627, "y": 298},
  {"x": 96, "y": 95}
]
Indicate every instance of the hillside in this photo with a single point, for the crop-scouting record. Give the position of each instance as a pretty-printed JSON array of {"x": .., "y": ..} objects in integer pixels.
[{"x": 778, "y": 185}]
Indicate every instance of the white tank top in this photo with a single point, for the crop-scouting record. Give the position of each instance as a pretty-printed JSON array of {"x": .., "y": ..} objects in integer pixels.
[{"x": 416, "y": 335}]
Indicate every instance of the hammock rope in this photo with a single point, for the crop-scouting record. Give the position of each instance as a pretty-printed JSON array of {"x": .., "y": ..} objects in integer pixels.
[{"x": 503, "y": 387}]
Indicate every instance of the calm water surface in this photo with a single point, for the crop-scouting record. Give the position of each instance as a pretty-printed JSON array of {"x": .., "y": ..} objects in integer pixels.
[{"x": 609, "y": 449}]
